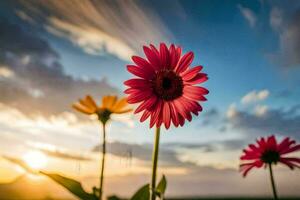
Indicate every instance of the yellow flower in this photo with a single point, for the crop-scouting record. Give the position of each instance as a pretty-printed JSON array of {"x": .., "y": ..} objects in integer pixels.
[{"x": 110, "y": 105}]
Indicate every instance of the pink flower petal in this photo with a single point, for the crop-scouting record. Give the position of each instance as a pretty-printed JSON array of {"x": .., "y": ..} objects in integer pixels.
[
  {"x": 154, "y": 49},
  {"x": 292, "y": 149},
  {"x": 185, "y": 62},
  {"x": 185, "y": 107},
  {"x": 153, "y": 58},
  {"x": 137, "y": 83},
  {"x": 245, "y": 168},
  {"x": 272, "y": 143},
  {"x": 181, "y": 120},
  {"x": 199, "y": 78},
  {"x": 132, "y": 90},
  {"x": 142, "y": 73},
  {"x": 191, "y": 73},
  {"x": 192, "y": 94},
  {"x": 180, "y": 108},
  {"x": 164, "y": 56},
  {"x": 155, "y": 113},
  {"x": 138, "y": 97},
  {"x": 173, "y": 57},
  {"x": 143, "y": 64},
  {"x": 166, "y": 115},
  {"x": 147, "y": 104},
  {"x": 174, "y": 114},
  {"x": 145, "y": 115},
  {"x": 290, "y": 162},
  {"x": 196, "y": 90},
  {"x": 285, "y": 144}
]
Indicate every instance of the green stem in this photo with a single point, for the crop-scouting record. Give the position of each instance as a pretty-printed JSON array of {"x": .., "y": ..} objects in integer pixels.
[
  {"x": 103, "y": 162},
  {"x": 273, "y": 182},
  {"x": 154, "y": 161}
]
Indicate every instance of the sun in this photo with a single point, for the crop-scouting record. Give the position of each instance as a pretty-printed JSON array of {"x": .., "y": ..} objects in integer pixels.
[{"x": 35, "y": 159}]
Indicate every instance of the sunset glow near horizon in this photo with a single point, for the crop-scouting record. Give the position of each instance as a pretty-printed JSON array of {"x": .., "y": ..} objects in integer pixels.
[
  {"x": 35, "y": 160},
  {"x": 51, "y": 54}
]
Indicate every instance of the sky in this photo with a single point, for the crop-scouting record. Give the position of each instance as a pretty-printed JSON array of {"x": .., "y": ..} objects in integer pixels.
[{"x": 54, "y": 52}]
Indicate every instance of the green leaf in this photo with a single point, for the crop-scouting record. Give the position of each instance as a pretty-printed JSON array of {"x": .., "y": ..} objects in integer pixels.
[
  {"x": 142, "y": 194},
  {"x": 73, "y": 186},
  {"x": 114, "y": 197},
  {"x": 161, "y": 187}
]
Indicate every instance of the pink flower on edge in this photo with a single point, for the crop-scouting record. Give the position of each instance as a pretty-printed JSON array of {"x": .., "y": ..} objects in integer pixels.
[{"x": 268, "y": 151}]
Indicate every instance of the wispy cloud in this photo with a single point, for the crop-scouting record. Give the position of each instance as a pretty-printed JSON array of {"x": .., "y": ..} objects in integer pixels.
[
  {"x": 276, "y": 18},
  {"x": 64, "y": 155},
  {"x": 290, "y": 41},
  {"x": 255, "y": 96},
  {"x": 142, "y": 152},
  {"x": 284, "y": 19},
  {"x": 265, "y": 121},
  {"x": 249, "y": 15},
  {"x": 32, "y": 78},
  {"x": 115, "y": 27}
]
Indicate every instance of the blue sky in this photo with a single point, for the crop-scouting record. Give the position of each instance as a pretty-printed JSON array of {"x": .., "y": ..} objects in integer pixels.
[
  {"x": 221, "y": 37},
  {"x": 249, "y": 49}
]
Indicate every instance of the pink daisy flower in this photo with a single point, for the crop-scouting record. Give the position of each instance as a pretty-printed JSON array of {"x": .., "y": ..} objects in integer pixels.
[
  {"x": 267, "y": 151},
  {"x": 165, "y": 86}
]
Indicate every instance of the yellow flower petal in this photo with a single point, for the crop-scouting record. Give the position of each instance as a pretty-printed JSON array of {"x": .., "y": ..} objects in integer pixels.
[
  {"x": 123, "y": 111},
  {"x": 82, "y": 109},
  {"x": 104, "y": 101},
  {"x": 120, "y": 105},
  {"x": 84, "y": 103},
  {"x": 90, "y": 101},
  {"x": 111, "y": 102}
]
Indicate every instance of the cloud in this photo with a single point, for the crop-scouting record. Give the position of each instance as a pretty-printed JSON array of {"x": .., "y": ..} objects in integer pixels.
[
  {"x": 231, "y": 111},
  {"x": 171, "y": 154},
  {"x": 23, "y": 165},
  {"x": 5, "y": 72},
  {"x": 60, "y": 130},
  {"x": 266, "y": 121},
  {"x": 255, "y": 96},
  {"x": 32, "y": 78},
  {"x": 284, "y": 19},
  {"x": 290, "y": 41},
  {"x": 209, "y": 116},
  {"x": 91, "y": 40},
  {"x": 248, "y": 14},
  {"x": 141, "y": 152},
  {"x": 64, "y": 155},
  {"x": 115, "y": 27},
  {"x": 276, "y": 18},
  {"x": 260, "y": 110},
  {"x": 213, "y": 146},
  {"x": 24, "y": 16}
]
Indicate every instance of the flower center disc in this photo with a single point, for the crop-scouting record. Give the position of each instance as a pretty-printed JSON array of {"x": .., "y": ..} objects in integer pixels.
[
  {"x": 167, "y": 85},
  {"x": 270, "y": 156},
  {"x": 104, "y": 115}
]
